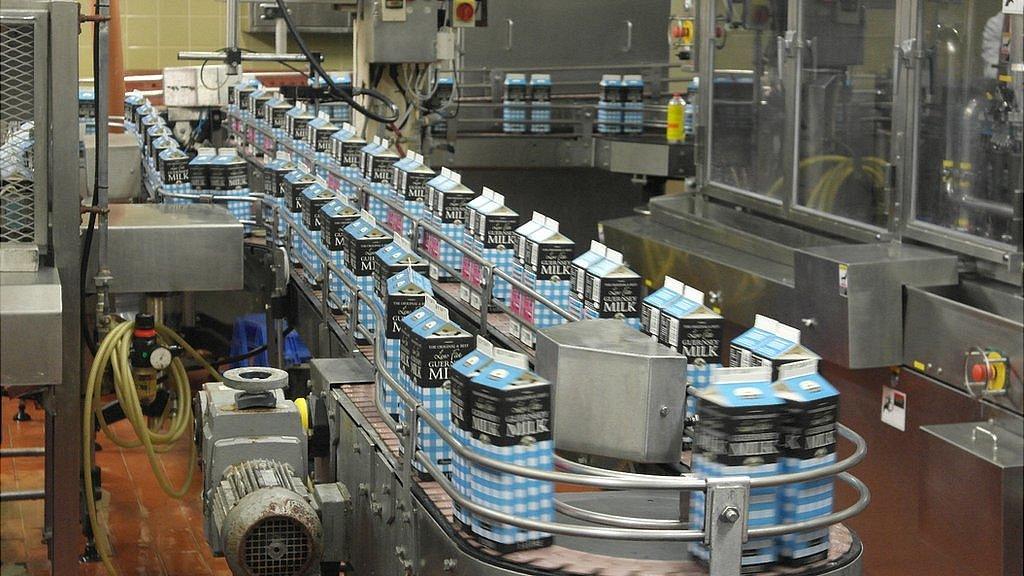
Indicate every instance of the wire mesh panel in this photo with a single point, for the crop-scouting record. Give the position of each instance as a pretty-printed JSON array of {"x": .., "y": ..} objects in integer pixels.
[{"x": 18, "y": 109}]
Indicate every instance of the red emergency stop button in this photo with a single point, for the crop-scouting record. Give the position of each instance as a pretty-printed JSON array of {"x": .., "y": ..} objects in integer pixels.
[
  {"x": 465, "y": 11},
  {"x": 981, "y": 373}
]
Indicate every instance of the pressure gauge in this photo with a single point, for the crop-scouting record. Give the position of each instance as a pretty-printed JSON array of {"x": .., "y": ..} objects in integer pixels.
[{"x": 160, "y": 358}]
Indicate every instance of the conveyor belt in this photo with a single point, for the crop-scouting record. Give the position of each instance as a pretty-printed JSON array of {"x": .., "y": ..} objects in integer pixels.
[{"x": 558, "y": 559}]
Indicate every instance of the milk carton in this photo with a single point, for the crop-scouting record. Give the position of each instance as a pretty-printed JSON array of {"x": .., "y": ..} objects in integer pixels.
[
  {"x": 334, "y": 217},
  {"x": 462, "y": 373},
  {"x": 613, "y": 290},
  {"x": 768, "y": 343},
  {"x": 362, "y": 240},
  {"x": 808, "y": 442},
  {"x": 578, "y": 273},
  {"x": 656, "y": 302},
  {"x": 406, "y": 292},
  {"x": 737, "y": 434},
  {"x": 433, "y": 347},
  {"x": 510, "y": 421}
]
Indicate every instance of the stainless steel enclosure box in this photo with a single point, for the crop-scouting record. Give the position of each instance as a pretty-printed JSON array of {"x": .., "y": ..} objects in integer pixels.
[
  {"x": 849, "y": 298},
  {"x": 413, "y": 39},
  {"x": 169, "y": 248},
  {"x": 617, "y": 393},
  {"x": 31, "y": 326}
]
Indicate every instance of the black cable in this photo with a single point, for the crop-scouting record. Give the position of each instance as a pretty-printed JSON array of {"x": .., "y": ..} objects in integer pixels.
[
  {"x": 244, "y": 355},
  {"x": 319, "y": 69}
]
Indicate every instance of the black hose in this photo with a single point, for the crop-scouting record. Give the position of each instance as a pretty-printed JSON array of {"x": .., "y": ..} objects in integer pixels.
[{"x": 314, "y": 63}]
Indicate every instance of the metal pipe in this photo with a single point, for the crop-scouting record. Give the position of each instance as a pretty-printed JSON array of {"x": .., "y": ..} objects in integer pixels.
[
  {"x": 17, "y": 495},
  {"x": 245, "y": 56},
  {"x": 231, "y": 21},
  {"x": 21, "y": 452},
  {"x": 280, "y": 36},
  {"x": 102, "y": 100},
  {"x": 617, "y": 521}
]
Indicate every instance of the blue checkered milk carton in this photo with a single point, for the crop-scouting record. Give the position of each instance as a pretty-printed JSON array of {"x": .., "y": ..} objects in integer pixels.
[
  {"x": 229, "y": 176},
  {"x": 362, "y": 240},
  {"x": 406, "y": 292},
  {"x": 514, "y": 106},
  {"x": 689, "y": 327},
  {"x": 433, "y": 347},
  {"x": 276, "y": 117},
  {"x": 430, "y": 309},
  {"x": 274, "y": 172},
  {"x": 493, "y": 238},
  {"x": 808, "y": 442},
  {"x": 613, "y": 290},
  {"x": 410, "y": 184},
  {"x": 292, "y": 186},
  {"x": 768, "y": 343},
  {"x": 257, "y": 104},
  {"x": 737, "y": 434},
  {"x": 547, "y": 272},
  {"x": 132, "y": 101},
  {"x": 448, "y": 212},
  {"x": 199, "y": 170},
  {"x": 159, "y": 145},
  {"x": 609, "y": 107},
  {"x": 510, "y": 421},
  {"x": 540, "y": 103},
  {"x": 346, "y": 146},
  {"x": 578, "y": 275},
  {"x": 240, "y": 91},
  {"x": 377, "y": 161},
  {"x": 334, "y": 217},
  {"x": 521, "y": 243},
  {"x": 154, "y": 127},
  {"x": 633, "y": 104},
  {"x": 318, "y": 135},
  {"x": 312, "y": 199},
  {"x": 296, "y": 121},
  {"x": 462, "y": 373},
  {"x": 471, "y": 272},
  {"x": 173, "y": 166}
]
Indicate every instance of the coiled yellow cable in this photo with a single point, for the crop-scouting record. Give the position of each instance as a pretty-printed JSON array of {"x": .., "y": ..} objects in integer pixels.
[{"x": 113, "y": 355}]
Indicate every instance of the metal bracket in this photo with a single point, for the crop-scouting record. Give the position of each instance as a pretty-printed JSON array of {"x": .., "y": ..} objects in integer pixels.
[{"x": 725, "y": 523}]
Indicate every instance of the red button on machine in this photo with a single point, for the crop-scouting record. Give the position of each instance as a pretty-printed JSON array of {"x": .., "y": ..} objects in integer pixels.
[
  {"x": 464, "y": 11},
  {"x": 979, "y": 373}
]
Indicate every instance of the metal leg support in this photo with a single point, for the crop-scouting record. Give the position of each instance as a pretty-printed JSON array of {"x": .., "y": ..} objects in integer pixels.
[{"x": 725, "y": 523}]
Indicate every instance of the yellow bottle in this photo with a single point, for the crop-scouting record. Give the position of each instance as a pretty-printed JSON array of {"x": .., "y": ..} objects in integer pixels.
[{"x": 675, "y": 119}]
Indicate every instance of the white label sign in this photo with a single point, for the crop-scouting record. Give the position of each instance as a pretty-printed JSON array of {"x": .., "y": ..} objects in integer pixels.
[
  {"x": 894, "y": 408},
  {"x": 1013, "y": 6}
]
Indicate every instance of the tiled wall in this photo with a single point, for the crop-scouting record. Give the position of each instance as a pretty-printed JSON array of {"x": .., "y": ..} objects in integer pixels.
[{"x": 155, "y": 30}]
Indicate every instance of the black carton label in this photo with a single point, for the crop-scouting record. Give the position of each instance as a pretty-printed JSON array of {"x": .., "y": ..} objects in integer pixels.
[
  {"x": 311, "y": 211},
  {"x": 333, "y": 236},
  {"x": 499, "y": 231},
  {"x": 321, "y": 140},
  {"x": 619, "y": 297},
  {"x": 414, "y": 186},
  {"x": 698, "y": 338},
  {"x": 397, "y": 307},
  {"x": 745, "y": 436},
  {"x": 809, "y": 429},
  {"x": 431, "y": 358},
  {"x": 174, "y": 171},
  {"x": 279, "y": 118},
  {"x": 380, "y": 170},
  {"x": 360, "y": 253},
  {"x": 292, "y": 193},
  {"x": 507, "y": 417},
  {"x": 350, "y": 154},
  {"x": 299, "y": 127},
  {"x": 199, "y": 176},
  {"x": 229, "y": 176},
  {"x": 552, "y": 261},
  {"x": 452, "y": 207}
]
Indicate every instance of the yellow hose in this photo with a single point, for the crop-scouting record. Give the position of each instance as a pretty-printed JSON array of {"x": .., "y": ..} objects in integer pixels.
[{"x": 113, "y": 355}]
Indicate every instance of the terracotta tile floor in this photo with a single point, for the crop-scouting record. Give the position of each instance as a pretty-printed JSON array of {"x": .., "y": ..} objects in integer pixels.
[{"x": 152, "y": 534}]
